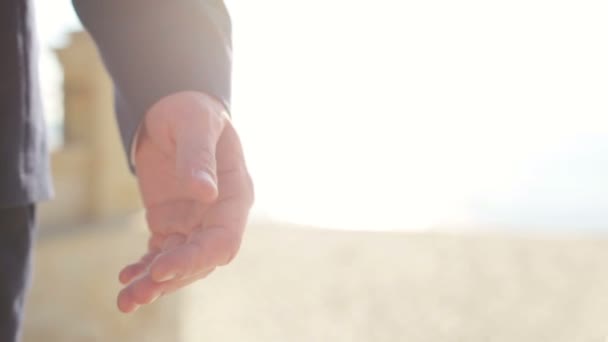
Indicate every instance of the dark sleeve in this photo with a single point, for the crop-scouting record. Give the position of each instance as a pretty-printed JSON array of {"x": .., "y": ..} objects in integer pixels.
[{"x": 153, "y": 48}]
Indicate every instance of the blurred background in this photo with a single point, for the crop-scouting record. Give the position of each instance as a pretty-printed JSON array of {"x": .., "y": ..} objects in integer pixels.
[{"x": 425, "y": 171}]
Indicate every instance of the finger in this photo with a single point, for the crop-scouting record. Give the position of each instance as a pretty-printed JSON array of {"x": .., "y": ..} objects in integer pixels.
[
  {"x": 172, "y": 286},
  {"x": 197, "y": 132},
  {"x": 132, "y": 271},
  {"x": 205, "y": 250},
  {"x": 141, "y": 291},
  {"x": 145, "y": 291},
  {"x": 125, "y": 304},
  {"x": 175, "y": 217}
]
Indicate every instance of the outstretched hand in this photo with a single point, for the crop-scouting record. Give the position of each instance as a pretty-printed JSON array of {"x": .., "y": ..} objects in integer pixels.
[{"x": 197, "y": 193}]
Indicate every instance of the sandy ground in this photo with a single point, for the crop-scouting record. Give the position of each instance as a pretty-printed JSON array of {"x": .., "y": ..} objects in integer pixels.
[{"x": 296, "y": 284}]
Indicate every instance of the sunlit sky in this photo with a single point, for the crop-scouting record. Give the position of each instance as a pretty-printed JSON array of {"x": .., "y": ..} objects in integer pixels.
[{"x": 412, "y": 115}]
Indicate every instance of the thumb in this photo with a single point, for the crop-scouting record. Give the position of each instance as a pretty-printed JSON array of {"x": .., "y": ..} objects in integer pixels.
[
  {"x": 196, "y": 165},
  {"x": 197, "y": 132}
]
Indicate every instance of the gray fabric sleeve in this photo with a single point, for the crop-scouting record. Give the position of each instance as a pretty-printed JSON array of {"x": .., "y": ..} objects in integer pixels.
[{"x": 154, "y": 48}]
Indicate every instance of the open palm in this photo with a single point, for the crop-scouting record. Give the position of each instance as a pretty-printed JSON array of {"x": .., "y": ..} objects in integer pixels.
[{"x": 197, "y": 193}]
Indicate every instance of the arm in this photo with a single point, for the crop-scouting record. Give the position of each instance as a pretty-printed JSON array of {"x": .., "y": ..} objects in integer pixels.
[{"x": 170, "y": 62}]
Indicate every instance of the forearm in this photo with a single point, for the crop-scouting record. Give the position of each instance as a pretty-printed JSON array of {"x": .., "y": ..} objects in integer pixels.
[{"x": 154, "y": 48}]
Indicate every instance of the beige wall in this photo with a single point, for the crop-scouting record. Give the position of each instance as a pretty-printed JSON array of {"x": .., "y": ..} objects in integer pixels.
[{"x": 90, "y": 172}]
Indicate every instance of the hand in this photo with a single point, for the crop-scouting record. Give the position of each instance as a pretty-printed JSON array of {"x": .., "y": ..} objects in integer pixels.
[{"x": 196, "y": 191}]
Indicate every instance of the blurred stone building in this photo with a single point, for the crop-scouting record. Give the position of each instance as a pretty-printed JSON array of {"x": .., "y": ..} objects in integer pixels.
[{"x": 90, "y": 172}]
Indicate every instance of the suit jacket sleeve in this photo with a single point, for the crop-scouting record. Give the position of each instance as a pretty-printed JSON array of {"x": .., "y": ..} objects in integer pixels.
[{"x": 153, "y": 48}]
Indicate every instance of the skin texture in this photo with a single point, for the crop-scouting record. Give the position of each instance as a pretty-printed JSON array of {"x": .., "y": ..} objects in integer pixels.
[{"x": 197, "y": 193}]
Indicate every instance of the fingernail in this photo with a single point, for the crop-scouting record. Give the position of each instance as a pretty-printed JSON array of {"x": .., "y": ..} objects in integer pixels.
[{"x": 204, "y": 176}]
